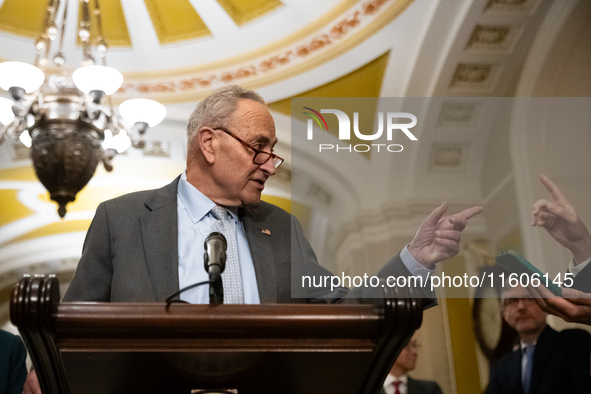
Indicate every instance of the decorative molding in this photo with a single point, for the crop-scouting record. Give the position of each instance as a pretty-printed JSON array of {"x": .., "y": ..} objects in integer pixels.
[
  {"x": 486, "y": 38},
  {"x": 513, "y": 6},
  {"x": 471, "y": 73},
  {"x": 458, "y": 115},
  {"x": 157, "y": 148},
  {"x": 448, "y": 157},
  {"x": 489, "y": 35},
  {"x": 474, "y": 77},
  {"x": 323, "y": 44}
]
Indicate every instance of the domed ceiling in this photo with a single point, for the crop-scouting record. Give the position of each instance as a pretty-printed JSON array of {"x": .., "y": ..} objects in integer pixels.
[{"x": 175, "y": 50}]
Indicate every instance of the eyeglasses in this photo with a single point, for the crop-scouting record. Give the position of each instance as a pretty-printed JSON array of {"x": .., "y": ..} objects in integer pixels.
[
  {"x": 413, "y": 344},
  {"x": 260, "y": 156},
  {"x": 513, "y": 302}
]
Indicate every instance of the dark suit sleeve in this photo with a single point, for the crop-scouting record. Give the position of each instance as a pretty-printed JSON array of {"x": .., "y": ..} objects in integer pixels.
[
  {"x": 18, "y": 373},
  {"x": 92, "y": 281},
  {"x": 423, "y": 387},
  {"x": 583, "y": 280},
  {"x": 435, "y": 389},
  {"x": 13, "y": 371},
  {"x": 494, "y": 386},
  {"x": 578, "y": 346}
]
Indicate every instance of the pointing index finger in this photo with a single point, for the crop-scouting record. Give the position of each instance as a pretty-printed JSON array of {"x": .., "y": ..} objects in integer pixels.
[
  {"x": 555, "y": 193},
  {"x": 469, "y": 213}
]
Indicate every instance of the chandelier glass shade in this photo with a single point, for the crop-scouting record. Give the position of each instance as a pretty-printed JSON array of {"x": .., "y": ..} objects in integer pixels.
[
  {"x": 68, "y": 118},
  {"x": 142, "y": 111},
  {"x": 20, "y": 74},
  {"x": 100, "y": 78}
]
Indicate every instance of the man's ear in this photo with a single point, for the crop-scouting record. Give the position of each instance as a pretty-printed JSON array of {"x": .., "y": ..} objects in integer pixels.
[{"x": 206, "y": 140}]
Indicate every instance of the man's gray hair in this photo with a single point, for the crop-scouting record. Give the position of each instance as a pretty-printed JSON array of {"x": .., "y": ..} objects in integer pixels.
[{"x": 215, "y": 110}]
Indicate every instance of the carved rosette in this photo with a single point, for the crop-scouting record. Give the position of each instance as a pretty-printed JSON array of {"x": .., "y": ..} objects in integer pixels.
[{"x": 65, "y": 156}]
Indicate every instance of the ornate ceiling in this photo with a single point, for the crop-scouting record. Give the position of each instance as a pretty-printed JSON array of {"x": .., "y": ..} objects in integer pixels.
[{"x": 178, "y": 50}]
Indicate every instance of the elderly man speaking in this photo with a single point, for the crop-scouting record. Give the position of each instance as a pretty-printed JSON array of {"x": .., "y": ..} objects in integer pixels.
[{"x": 145, "y": 246}]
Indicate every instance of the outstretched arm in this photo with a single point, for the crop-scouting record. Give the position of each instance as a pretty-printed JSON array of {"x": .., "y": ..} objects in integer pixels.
[{"x": 561, "y": 221}]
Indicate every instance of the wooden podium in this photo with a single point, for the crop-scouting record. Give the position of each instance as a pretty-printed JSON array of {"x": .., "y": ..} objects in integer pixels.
[{"x": 246, "y": 349}]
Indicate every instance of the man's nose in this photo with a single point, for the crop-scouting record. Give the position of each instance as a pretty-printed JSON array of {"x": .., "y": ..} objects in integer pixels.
[
  {"x": 269, "y": 167},
  {"x": 522, "y": 303}
]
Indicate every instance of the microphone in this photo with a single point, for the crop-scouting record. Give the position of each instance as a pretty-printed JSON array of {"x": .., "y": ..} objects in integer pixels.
[{"x": 214, "y": 261}]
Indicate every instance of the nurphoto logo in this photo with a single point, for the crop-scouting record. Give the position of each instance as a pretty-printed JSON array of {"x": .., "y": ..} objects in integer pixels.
[{"x": 391, "y": 119}]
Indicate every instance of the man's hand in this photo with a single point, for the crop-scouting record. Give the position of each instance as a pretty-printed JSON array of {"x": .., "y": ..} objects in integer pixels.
[
  {"x": 439, "y": 237},
  {"x": 575, "y": 307},
  {"x": 561, "y": 221},
  {"x": 32, "y": 384}
]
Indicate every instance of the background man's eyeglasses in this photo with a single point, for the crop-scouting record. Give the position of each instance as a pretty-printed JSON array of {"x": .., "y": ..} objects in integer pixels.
[
  {"x": 512, "y": 302},
  {"x": 260, "y": 157},
  {"x": 414, "y": 345}
]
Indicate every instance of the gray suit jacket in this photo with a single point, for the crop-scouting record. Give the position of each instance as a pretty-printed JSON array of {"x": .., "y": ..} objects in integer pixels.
[
  {"x": 421, "y": 387},
  {"x": 130, "y": 253}
]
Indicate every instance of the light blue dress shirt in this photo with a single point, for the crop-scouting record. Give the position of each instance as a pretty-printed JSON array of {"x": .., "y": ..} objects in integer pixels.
[{"x": 194, "y": 225}]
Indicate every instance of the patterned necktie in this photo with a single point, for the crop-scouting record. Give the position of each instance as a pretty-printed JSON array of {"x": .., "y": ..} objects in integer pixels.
[
  {"x": 397, "y": 387},
  {"x": 231, "y": 277},
  {"x": 528, "y": 354}
]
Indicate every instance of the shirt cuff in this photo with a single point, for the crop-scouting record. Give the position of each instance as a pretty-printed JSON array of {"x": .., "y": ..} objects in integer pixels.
[
  {"x": 413, "y": 266},
  {"x": 575, "y": 269}
]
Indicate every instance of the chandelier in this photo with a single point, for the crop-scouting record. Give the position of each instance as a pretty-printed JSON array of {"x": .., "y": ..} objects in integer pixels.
[{"x": 68, "y": 118}]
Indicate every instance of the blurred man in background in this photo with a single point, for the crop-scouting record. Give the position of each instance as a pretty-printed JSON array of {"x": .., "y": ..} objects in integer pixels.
[
  {"x": 546, "y": 361},
  {"x": 398, "y": 381}
]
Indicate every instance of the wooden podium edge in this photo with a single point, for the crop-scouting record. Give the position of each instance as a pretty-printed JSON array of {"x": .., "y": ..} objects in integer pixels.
[
  {"x": 33, "y": 303},
  {"x": 34, "y": 307},
  {"x": 401, "y": 306}
]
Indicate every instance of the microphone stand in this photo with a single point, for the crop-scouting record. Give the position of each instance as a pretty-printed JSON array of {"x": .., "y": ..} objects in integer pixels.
[{"x": 214, "y": 260}]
